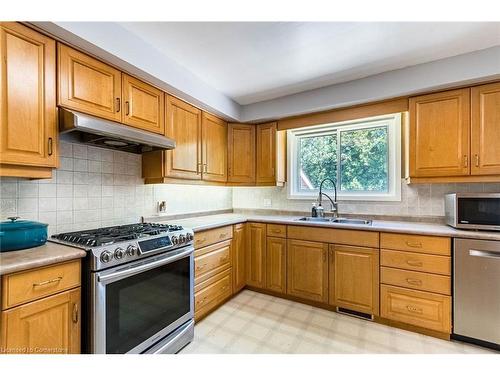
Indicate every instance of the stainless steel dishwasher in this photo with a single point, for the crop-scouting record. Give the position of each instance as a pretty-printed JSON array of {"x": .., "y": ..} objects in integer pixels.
[{"x": 476, "y": 289}]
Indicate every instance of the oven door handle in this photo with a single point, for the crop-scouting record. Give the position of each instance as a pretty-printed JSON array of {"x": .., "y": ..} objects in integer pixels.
[{"x": 106, "y": 279}]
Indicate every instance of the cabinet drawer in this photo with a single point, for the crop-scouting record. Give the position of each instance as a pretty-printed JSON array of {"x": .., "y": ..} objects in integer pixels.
[
  {"x": 211, "y": 260},
  {"x": 209, "y": 237},
  {"x": 22, "y": 287},
  {"x": 416, "y": 243},
  {"x": 416, "y": 280},
  {"x": 212, "y": 292},
  {"x": 423, "y": 309},
  {"x": 276, "y": 230},
  {"x": 416, "y": 262}
]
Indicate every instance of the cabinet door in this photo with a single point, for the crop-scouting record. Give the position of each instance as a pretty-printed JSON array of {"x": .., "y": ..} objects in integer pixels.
[
  {"x": 276, "y": 264},
  {"x": 266, "y": 154},
  {"x": 485, "y": 129},
  {"x": 307, "y": 270},
  {"x": 88, "y": 85},
  {"x": 184, "y": 126},
  {"x": 241, "y": 153},
  {"x": 239, "y": 253},
  {"x": 439, "y": 134},
  {"x": 28, "y": 126},
  {"x": 256, "y": 255},
  {"x": 214, "y": 148},
  {"x": 355, "y": 278},
  {"x": 50, "y": 325},
  {"x": 144, "y": 105}
]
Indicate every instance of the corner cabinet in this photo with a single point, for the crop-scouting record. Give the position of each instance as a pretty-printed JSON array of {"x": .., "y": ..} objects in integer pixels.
[
  {"x": 241, "y": 154},
  {"x": 238, "y": 247},
  {"x": 28, "y": 124},
  {"x": 256, "y": 255}
]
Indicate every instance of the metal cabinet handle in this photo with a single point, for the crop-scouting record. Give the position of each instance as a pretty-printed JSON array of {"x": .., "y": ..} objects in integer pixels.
[
  {"x": 205, "y": 168},
  {"x": 223, "y": 259},
  {"x": 199, "y": 168},
  {"x": 414, "y": 263},
  {"x": 484, "y": 253},
  {"x": 413, "y": 244},
  {"x": 50, "y": 146},
  {"x": 222, "y": 235},
  {"x": 466, "y": 161},
  {"x": 414, "y": 281},
  {"x": 199, "y": 268},
  {"x": 117, "y": 105},
  {"x": 414, "y": 309},
  {"x": 75, "y": 313},
  {"x": 477, "y": 160},
  {"x": 56, "y": 280},
  {"x": 127, "y": 108},
  {"x": 276, "y": 231}
]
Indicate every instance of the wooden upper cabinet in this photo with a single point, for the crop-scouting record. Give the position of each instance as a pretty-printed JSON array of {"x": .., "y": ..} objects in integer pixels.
[
  {"x": 485, "y": 129},
  {"x": 241, "y": 153},
  {"x": 354, "y": 278},
  {"x": 214, "y": 148},
  {"x": 439, "y": 134},
  {"x": 266, "y": 153},
  {"x": 88, "y": 85},
  {"x": 256, "y": 255},
  {"x": 307, "y": 270},
  {"x": 184, "y": 126},
  {"x": 28, "y": 126},
  {"x": 144, "y": 105},
  {"x": 276, "y": 264},
  {"x": 238, "y": 259}
]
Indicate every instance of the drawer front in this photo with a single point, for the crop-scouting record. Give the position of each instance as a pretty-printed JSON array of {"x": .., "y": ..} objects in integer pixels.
[
  {"x": 416, "y": 243},
  {"x": 336, "y": 236},
  {"x": 22, "y": 287},
  {"x": 217, "y": 289},
  {"x": 209, "y": 237},
  {"x": 276, "y": 230},
  {"x": 423, "y": 309},
  {"x": 212, "y": 262},
  {"x": 416, "y": 262},
  {"x": 416, "y": 280}
]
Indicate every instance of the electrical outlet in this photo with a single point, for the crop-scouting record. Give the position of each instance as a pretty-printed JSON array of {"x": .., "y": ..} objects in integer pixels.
[
  {"x": 267, "y": 202},
  {"x": 162, "y": 207}
]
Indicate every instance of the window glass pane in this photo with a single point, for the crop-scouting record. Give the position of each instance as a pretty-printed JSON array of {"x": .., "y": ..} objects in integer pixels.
[
  {"x": 364, "y": 160},
  {"x": 317, "y": 160}
]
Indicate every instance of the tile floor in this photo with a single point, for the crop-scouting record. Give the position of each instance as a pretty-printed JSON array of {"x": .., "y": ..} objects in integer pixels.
[{"x": 257, "y": 323}]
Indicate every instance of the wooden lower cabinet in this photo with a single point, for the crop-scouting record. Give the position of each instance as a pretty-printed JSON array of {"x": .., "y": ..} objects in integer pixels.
[
  {"x": 50, "y": 325},
  {"x": 256, "y": 255},
  {"x": 211, "y": 293},
  {"x": 307, "y": 270},
  {"x": 354, "y": 278},
  {"x": 276, "y": 264},
  {"x": 238, "y": 257}
]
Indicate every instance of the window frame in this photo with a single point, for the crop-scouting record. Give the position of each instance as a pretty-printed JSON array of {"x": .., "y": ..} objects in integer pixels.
[{"x": 393, "y": 122}]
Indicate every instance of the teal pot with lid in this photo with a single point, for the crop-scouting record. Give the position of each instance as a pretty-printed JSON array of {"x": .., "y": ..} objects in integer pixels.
[{"x": 18, "y": 234}]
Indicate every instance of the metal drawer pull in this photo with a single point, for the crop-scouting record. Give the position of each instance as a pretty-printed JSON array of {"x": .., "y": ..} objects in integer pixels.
[
  {"x": 199, "y": 268},
  {"x": 477, "y": 160},
  {"x": 56, "y": 280},
  {"x": 276, "y": 231},
  {"x": 414, "y": 281},
  {"x": 484, "y": 254},
  {"x": 414, "y": 263},
  {"x": 201, "y": 302},
  {"x": 466, "y": 161},
  {"x": 222, "y": 235},
  {"x": 201, "y": 240},
  {"x": 117, "y": 106},
  {"x": 414, "y": 309},
  {"x": 50, "y": 147},
  {"x": 414, "y": 244},
  {"x": 224, "y": 258},
  {"x": 127, "y": 106},
  {"x": 75, "y": 313}
]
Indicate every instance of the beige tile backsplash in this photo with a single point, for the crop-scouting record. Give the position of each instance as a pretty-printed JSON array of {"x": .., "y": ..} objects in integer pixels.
[{"x": 97, "y": 187}]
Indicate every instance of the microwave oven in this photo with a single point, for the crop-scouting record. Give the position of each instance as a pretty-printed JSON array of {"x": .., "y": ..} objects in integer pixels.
[{"x": 473, "y": 210}]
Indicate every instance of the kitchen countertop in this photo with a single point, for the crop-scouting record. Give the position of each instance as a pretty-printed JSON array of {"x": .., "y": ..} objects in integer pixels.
[
  {"x": 50, "y": 253},
  {"x": 202, "y": 223}
]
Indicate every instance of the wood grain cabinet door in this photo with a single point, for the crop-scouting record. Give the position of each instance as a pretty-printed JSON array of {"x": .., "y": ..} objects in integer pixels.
[
  {"x": 307, "y": 270},
  {"x": 214, "y": 148},
  {"x": 355, "y": 278},
  {"x": 238, "y": 258},
  {"x": 144, "y": 105},
  {"x": 184, "y": 126},
  {"x": 241, "y": 153},
  {"x": 256, "y": 255},
  {"x": 266, "y": 154},
  {"x": 485, "y": 129},
  {"x": 28, "y": 126},
  {"x": 50, "y": 325},
  {"x": 88, "y": 85},
  {"x": 276, "y": 264},
  {"x": 439, "y": 134}
]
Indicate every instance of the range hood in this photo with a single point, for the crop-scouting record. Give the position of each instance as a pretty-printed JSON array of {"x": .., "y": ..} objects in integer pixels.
[{"x": 76, "y": 126}]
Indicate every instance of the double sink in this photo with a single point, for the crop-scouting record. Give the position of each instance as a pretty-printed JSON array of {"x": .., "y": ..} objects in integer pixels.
[{"x": 337, "y": 220}]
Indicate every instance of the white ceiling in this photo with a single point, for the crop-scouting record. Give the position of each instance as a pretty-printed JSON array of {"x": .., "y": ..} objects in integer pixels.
[{"x": 256, "y": 61}]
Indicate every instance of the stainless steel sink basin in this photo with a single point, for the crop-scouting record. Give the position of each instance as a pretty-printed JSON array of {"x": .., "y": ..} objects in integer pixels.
[{"x": 338, "y": 220}]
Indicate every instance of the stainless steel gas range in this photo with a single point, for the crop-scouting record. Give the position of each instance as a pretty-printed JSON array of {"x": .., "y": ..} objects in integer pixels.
[{"x": 138, "y": 287}]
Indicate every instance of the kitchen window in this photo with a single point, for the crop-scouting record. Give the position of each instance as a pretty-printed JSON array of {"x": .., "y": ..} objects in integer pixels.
[{"x": 363, "y": 157}]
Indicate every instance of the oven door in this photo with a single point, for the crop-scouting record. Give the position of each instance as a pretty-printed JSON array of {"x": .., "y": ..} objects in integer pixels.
[{"x": 136, "y": 305}]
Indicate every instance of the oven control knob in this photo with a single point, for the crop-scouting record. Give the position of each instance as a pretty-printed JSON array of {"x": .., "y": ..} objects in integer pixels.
[
  {"x": 131, "y": 250},
  {"x": 119, "y": 253},
  {"x": 190, "y": 236},
  {"x": 182, "y": 238},
  {"x": 175, "y": 240},
  {"x": 106, "y": 256}
]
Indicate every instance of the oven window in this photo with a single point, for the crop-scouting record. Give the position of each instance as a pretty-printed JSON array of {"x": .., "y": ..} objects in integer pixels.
[
  {"x": 139, "y": 306},
  {"x": 484, "y": 211}
]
